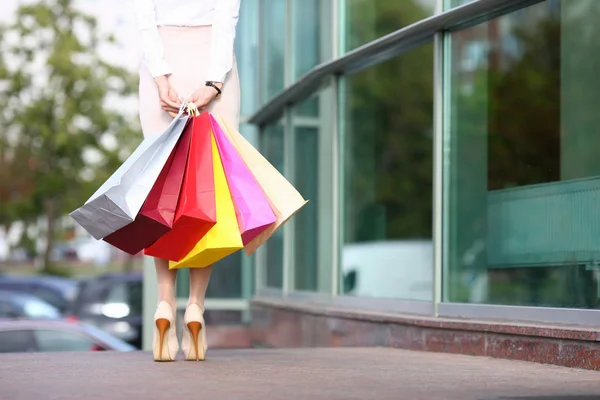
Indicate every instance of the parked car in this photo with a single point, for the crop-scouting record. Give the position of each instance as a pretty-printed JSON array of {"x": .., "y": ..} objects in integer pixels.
[
  {"x": 18, "y": 336},
  {"x": 112, "y": 302},
  {"x": 57, "y": 291},
  {"x": 25, "y": 305}
]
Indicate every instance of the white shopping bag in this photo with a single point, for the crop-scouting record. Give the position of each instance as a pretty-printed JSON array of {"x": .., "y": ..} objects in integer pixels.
[{"x": 118, "y": 201}]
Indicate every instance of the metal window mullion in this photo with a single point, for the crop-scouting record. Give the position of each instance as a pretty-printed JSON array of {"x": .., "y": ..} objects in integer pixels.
[
  {"x": 213, "y": 304},
  {"x": 260, "y": 257},
  {"x": 438, "y": 162},
  {"x": 260, "y": 269},
  {"x": 247, "y": 276},
  {"x": 309, "y": 122},
  {"x": 289, "y": 52},
  {"x": 261, "y": 55},
  {"x": 445, "y": 53},
  {"x": 438, "y": 193},
  {"x": 149, "y": 300},
  {"x": 338, "y": 46},
  {"x": 338, "y": 28},
  {"x": 439, "y": 6},
  {"x": 288, "y": 236},
  {"x": 338, "y": 180}
]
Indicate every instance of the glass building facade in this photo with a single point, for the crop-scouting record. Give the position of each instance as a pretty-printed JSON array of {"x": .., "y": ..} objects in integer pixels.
[
  {"x": 450, "y": 171},
  {"x": 521, "y": 180}
]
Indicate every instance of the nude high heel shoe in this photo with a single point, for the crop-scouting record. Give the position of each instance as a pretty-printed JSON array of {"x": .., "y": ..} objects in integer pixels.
[
  {"x": 193, "y": 343},
  {"x": 165, "y": 346}
]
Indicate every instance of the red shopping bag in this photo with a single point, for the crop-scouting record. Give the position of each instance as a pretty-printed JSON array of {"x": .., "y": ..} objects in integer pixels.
[
  {"x": 158, "y": 212},
  {"x": 196, "y": 208}
]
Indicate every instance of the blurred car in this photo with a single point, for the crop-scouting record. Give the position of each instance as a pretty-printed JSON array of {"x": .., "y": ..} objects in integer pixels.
[
  {"x": 18, "y": 336},
  {"x": 24, "y": 305},
  {"x": 55, "y": 290},
  {"x": 111, "y": 302}
]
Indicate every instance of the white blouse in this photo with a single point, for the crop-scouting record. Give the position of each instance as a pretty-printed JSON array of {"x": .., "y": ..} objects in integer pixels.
[{"x": 221, "y": 14}]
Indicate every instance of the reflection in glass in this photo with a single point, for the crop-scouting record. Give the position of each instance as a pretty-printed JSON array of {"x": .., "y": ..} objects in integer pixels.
[
  {"x": 306, "y": 180},
  {"x": 388, "y": 172},
  {"x": 367, "y": 20},
  {"x": 307, "y": 33},
  {"x": 226, "y": 278},
  {"x": 246, "y": 52},
  {"x": 271, "y": 146},
  {"x": 455, "y": 3},
  {"x": 524, "y": 171},
  {"x": 273, "y": 26}
]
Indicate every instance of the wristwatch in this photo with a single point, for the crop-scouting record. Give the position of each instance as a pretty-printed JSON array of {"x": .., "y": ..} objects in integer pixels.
[{"x": 212, "y": 85}]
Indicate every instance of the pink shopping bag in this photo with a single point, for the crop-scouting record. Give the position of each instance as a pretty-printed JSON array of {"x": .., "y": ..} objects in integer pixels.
[{"x": 252, "y": 209}]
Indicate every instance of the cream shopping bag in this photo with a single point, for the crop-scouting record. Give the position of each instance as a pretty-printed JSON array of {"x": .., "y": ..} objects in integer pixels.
[{"x": 283, "y": 198}]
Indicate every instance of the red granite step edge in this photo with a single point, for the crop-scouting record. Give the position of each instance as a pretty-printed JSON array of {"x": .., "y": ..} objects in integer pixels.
[
  {"x": 280, "y": 323},
  {"x": 493, "y": 326},
  {"x": 228, "y": 336}
]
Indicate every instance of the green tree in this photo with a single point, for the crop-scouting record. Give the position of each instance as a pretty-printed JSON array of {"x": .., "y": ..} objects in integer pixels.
[{"x": 56, "y": 96}]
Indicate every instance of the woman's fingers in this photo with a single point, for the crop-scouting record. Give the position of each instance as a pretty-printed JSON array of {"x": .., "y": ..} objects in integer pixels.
[
  {"x": 168, "y": 97},
  {"x": 174, "y": 97},
  {"x": 171, "y": 110},
  {"x": 165, "y": 105},
  {"x": 170, "y": 103}
]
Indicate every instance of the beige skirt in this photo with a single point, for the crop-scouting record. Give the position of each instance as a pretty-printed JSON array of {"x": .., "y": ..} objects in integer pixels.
[{"x": 187, "y": 50}]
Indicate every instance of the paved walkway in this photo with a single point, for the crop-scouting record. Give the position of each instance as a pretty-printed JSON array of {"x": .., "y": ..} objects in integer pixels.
[{"x": 256, "y": 374}]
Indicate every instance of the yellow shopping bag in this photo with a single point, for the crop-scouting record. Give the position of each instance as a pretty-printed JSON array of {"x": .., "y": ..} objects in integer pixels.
[
  {"x": 224, "y": 237},
  {"x": 283, "y": 198}
]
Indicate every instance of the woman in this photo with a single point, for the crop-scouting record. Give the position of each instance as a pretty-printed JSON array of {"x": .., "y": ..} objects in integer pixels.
[{"x": 187, "y": 48}]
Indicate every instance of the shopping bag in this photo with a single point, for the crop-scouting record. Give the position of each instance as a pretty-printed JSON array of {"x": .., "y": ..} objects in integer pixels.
[
  {"x": 284, "y": 199},
  {"x": 252, "y": 209},
  {"x": 196, "y": 207},
  {"x": 224, "y": 237},
  {"x": 158, "y": 212},
  {"x": 118, "y": 201}
]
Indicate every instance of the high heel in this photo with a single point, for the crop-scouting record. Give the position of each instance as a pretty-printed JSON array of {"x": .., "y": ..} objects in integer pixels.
[
  {"x": 193, "y": 343},
  {"x": 165, "y": 344}
]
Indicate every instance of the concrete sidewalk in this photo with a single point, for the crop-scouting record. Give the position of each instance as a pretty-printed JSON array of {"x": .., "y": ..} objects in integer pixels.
[{"x": 257, "y": 374}]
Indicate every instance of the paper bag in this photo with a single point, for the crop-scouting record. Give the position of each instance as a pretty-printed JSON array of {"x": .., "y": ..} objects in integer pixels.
[
  {"x": 252, "y": 209},
  {"x": 284, "y": 199},
  {"x": 224, "y": 237},
  {"x": 118, "y": 201},
  {"x": 196, "y": 207},
  {"x": 158, "y": 212}
]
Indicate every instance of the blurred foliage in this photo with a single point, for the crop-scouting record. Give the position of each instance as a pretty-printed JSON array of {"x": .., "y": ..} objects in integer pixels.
[
  {"x": 389, "y": 135},
  {"x": 367, "y": 20},
  {"x": 56, "y": 104},
  {"x": 521, "y": 152}
]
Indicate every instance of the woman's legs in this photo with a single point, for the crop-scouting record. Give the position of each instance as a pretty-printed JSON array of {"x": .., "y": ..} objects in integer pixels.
[
  {"x": 199, "y": 278},
  {"x": 165, "y": 345},
  {"x": 166, "y": 282},
  {"x": 193, "y": 343}
]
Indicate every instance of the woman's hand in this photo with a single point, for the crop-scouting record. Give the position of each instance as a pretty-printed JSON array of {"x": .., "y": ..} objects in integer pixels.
[
  {"x": 169, "y": 99},
  {"x": 204, "y": 96}
]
